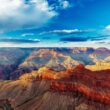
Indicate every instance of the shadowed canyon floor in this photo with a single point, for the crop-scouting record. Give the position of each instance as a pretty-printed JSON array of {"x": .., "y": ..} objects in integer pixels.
[{"x": 56, "y": 79}]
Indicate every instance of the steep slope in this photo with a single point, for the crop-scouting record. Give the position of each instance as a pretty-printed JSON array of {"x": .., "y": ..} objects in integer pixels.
[
  {"x": 49, "y": 58},
  {"x": 21, "y": 91},
  {"x": 76, "y": 89},
  {"x": 16, "y": 61},
  {"x": 10, "y": 58},
  {"x": 93, "y": 85},
  {"x": 5, "y": 105}
]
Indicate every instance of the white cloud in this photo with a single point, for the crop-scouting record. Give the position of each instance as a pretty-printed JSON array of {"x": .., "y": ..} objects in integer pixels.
[
  {"x": 64, "y": 4},
  {"x": 66, "y": 31},
  {"x": 27, "y": 34},
  {"x": 61, "y": 4},
  {"x": 17, "y": 14},
  {"x": 107, "y": 27}
]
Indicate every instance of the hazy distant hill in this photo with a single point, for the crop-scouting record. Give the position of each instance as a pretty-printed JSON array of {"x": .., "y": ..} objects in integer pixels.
[
  {"x": 17, "y": 61},
  {"x": 10, "y": 58}
]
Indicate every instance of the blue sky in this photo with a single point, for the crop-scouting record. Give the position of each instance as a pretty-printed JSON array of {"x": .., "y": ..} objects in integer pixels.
[{"x": 55, "y": 23}]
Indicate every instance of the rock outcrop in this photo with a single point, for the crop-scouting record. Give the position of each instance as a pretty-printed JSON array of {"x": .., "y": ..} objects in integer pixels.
[{"x": 76, "y": 89}]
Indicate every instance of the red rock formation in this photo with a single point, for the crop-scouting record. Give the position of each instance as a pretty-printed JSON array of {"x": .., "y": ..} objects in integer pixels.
[
  {"x": 89, "y": 93},
  {"x": 46, "y": 85},
  {"x": 94, "y": 85}
]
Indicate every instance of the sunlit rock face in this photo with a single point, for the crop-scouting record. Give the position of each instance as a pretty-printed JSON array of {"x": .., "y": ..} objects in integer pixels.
[
  {"x": 100, "y": 65},
  {"x": 50, "y": 58},
  {"x": 93, "y": 85},
  {"x": 62, "y": 58},
  {"x": 55, "y": 78},
  {"x": 16, "y": 61},
  {"x": 75, "y": 89}
]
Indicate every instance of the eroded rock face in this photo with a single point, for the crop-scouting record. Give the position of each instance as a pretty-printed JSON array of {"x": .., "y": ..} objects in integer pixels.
[
  {"x": 46, "y": 80},
  {"x": 50, "y": 58},
  {"x": 100, "y": 65},
  {"x": 5, "y": 104},
  {"x": 16, "y": 61},
  {"x": 94, "y": 85},
  {"x": 10, "y": 58},
  {"x": 81, "y": 89}
]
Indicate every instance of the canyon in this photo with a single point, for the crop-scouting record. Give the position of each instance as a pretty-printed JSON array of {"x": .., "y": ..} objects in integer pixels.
[{"x": 54, "y": 79}]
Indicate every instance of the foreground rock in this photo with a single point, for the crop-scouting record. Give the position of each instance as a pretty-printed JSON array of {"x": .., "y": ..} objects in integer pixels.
[{"x": 78, "y": 89}]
